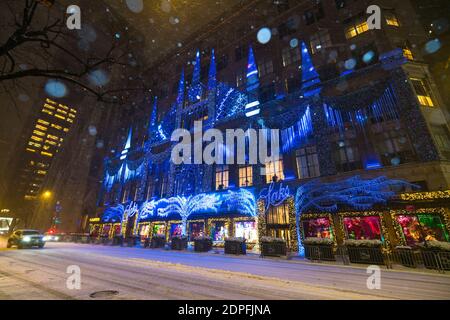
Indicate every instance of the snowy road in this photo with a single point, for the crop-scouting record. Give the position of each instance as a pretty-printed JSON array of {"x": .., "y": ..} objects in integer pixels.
[{"x": 136, "y": 273}]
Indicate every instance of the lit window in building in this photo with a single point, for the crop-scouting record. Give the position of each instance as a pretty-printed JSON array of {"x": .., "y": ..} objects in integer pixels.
[
  {"x": 66, "y": 129},
  {"x": 43, "y": 122},
  {"x": 47, "y": 111},
  {"x": 60, "y": 117},
  {"x": 61, "y": 111},
  {"x": 52, "y": 137},
  {"x": 274, "y": 168},
  {"x": 38, "y": 133},
  {"x": 63, "y": 106},
  {"x": 307, "y": 163},
  {"x": 36, "y": 139},
  {"x": 240, "y": 79},
  {"x": 42, "y": 172},
  {"x": 423, "y": 92},
  {"x": 319, "y": 41},
  {"x": 290, "y": 55},
  {"x": 278, "y": 214},
  {"x": 38, "y": 126},
  {"x": 265, "y": 67},
  {"x": 348, "y": 156},
  {"x": 34, "y": 144},
  {"x": 222, "y": 177},
  {"x": 46, "y": 105},
  {"x": 30, "y": 150},
  {"x": 71, "y": 115},
  {"x": 245, "y": 176},
  {"x": 48, "y": 154},
  {"x": 58, "y": 127},
  {"x": 408, "y": 54},
  {"x": 73, "y": 110},
  {"x": 53, "y": 143},
  {"x": 391, "y": 19},
  {"x": 356, "y": 27},
  {"x": 69, "y": 120}
]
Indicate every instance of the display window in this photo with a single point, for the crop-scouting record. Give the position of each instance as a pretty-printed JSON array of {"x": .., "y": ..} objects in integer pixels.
[
  {"x": 196, "y": 229},
  {"x": 218, "y": 231},
  {"x": 176, "y": 229},
  {"x": 144, "y": 231},
  {"x": 95, "y": 230},
  {"x": 106, "y": 229},
  {"x": 159, "y": 229},
  {"x": 117, "y": 229},
  {"x": 247, "y": 230},
  {"x": 317, "y": 228},
  {"x": 362, "y": 228},
  {"x": 417, "y": 228}
]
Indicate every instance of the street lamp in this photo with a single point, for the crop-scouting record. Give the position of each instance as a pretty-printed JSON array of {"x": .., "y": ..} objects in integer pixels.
[{"x": 46, "y": 195}]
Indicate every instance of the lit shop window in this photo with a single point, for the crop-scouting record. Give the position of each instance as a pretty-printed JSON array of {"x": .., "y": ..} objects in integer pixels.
[
  {"x": 274, "y": 169},
  {"x": 222, "y": 177},
  {"x": 278, "y": 214},
  {"x": 219, "y": 230},
  {"x": 176, "y": 229},
  {"x": 144, "y": 231},
  {"x": 246, "y": 230},
  {"x": 362, "y": 228},
  {"x": 356, "y": 27},
  {"x": 423, "y": 92},
  {"x": 307, "y": 163},
  {"x": 408, "y": 54},
  {"x": 245, "y": 176},
  {"x": 391, "y": 19},
  {"x": 159, "y": 230},
  {"x": 417, "y": 228},
  {"x": 196, "y": 229},
  {"x": 317, "y": 228},
  {"x": 319, "y": 41}
]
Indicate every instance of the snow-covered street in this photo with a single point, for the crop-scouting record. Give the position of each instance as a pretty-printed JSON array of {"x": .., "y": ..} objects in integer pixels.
[{"x": 137, "y": 273}]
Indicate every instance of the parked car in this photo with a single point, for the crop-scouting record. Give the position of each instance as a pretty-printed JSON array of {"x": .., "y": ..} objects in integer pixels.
[{"x": 26, "y": 238}]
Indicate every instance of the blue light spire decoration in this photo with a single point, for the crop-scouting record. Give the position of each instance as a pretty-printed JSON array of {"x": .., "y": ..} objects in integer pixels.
[
  {"x": 127, "y": 147},
  {"x": 310, "y": 77},
  {"x": 153, "y": 117},
  {"x": 252, "y": 107},
  {"x": 212, "y": 81},
  {"x": 180, "y": 96},
  {"x": 195, "y": 91}
]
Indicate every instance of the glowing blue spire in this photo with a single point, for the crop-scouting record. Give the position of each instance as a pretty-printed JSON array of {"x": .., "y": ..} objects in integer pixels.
[
  {"x": 195, "y": 91},
  {"x": 180, "y": 96},
  {"x": 212, "y": 72},
  {"x": 252, "y": 107},
  {"x": 153, "y": 117},
  {"x": 310, "y": 77},
  {"x": 127, "y": 147}
]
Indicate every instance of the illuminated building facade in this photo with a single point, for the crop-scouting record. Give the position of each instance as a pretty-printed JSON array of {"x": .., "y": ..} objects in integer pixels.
[{"x": 347, "y": 100}]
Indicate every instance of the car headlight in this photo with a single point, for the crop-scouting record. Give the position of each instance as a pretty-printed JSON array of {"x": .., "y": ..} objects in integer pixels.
[
  {"x": 56, "y": 238},
  {"x": 46, "y": 238},
  {"x": 26, "y": 239}
]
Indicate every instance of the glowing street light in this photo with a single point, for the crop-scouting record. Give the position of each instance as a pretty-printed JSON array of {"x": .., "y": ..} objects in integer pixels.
[{"x": 46, "y": 195}]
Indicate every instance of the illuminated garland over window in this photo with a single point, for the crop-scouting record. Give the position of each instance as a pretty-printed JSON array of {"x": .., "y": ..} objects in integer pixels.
[
  {"x": 113, "y": 214},
  {"x": 353, "y": 192},
  {"x": 230, "y": 102},
  {"x": 310, "y": 77},
  {"x": 432, "y": 195},
  {"x": 297, "y": 134}
]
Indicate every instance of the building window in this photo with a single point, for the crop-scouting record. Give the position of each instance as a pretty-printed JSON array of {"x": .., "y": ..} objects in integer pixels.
[
  {"x": 240, "y": 79},
  {"x": 408, "y": 54},
  {"x": 150, "y": 189},
  {"x": 240, "y": 52},
  {"x": 265, "y": 68},
  {"x": 340, "y": 4},
  {"x": 278, "y": 214},
  {"x": 307, "y": 163},
  {"x": 293, "y": 84},
  {"x": 423, "y": 92},
  {"x": 356, "y": 26},
  {"x": 348, "y": 156},
  {"x": 267, "y": 93},
  {"x": 315, "y": 14},
  {"x": 320, "y": 40},
  {"x": 274, "y": 169},
  {"x": 391, "y": 19},
  {"x": 290, "y": 55},
  {"x": 222, "y": 177},
  {"x": 245, "y": 176}
]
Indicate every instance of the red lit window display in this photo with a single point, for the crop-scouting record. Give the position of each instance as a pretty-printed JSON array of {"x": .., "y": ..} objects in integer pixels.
[
  {"x": 117, "y": 229},
  {"x": 196, "y": 229},
  {"x": 423, "y": 226},
  {"x": 106, "y": 229},
  {"x": 317, "y": 228},
  {"x": 176, "y": 229},
  {"x": 363, "y": 228}
]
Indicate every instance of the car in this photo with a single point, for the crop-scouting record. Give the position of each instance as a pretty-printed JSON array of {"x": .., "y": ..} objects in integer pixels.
[
  {"x": 55, "y": 237},
  {"x": 26, "y": 238}
]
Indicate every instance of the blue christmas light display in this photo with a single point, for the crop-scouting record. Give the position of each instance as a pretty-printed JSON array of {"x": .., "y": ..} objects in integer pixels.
[
  {"x": 242, "y": 201},
  {"x": 354, "y": 193},
  {"x": 212, "y": 80},
  {"x": 294, "y": 136},
  {"x": 252, "y": 106},
  {"x": 113, "y": 214},
  {"x": 196, "y": 89},
  {"x": 180, "y": 95},
  {"x": 310, "y": 77},
  {"x": 230, "y": 102}
]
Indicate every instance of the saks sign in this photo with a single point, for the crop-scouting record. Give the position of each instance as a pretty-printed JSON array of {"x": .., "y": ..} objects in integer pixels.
[
  {"x": 274, "y": 195},
  {"x": 130, "y": 210}
]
